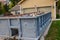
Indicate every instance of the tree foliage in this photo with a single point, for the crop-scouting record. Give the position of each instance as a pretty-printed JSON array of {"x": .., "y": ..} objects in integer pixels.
[
  {"x": 58, "y": 4},
  {"x": 13, "y": 3},
  {"x": 0, "y": 9},
  {"x": 5, "y": 8}
]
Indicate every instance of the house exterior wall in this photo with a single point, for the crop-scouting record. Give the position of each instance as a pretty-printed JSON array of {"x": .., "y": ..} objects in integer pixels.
[
  {"x": 15, "y": 12},
  {"x": 40, "y": 3},
  {"x": 29, "y": 10},
  {"x": 41, "y": 9},
  {"x": 44, "y": 9}
]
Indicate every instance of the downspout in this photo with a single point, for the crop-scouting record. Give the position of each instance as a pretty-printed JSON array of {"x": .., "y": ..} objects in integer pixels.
[{"x": 54, "y": 9}]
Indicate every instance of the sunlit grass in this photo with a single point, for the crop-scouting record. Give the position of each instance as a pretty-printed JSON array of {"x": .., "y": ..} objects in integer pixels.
[{"x": 54, "y": 31}]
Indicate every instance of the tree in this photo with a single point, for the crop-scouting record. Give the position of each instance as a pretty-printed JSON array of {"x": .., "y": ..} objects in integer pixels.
[
  {"x": 12, "y": 1},
  {"x": 6, "y": 8},
  {"x": 1, "y": 8},
  {"x": 58, "y": 4},
  {"x": 16, "y": 1},
  {"x": 11, "y": 5}
]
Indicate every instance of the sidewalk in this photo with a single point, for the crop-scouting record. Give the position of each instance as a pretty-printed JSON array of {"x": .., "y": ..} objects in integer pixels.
[{"x": 1, "y": 38}]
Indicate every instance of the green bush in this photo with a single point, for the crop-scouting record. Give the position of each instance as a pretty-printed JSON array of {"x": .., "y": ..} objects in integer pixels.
[{"x": 57, "y": 16}]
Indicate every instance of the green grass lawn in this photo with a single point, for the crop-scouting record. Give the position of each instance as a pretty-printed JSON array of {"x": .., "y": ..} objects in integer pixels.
[{"x": 54, "y": 31}]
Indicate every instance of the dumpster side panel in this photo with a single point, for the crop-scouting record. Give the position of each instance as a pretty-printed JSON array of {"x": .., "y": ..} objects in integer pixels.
[
  {"x": 4, "y": 29},
  {"x": 14, "y": 22},
  {"x": 28, "y": 28}
]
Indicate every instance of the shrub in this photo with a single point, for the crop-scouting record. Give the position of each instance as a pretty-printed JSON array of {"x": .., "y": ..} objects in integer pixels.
[{"x": 57, "y": 16}]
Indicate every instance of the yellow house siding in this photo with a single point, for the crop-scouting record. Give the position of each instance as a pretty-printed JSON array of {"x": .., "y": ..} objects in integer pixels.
[
  {"x": 41, "y": 9},
  {"x": 38, "y": 3},
  {"x": 29, "y": 10},
  {"x": 44, "y": 9},
  {"x": 13, "y": 12}
]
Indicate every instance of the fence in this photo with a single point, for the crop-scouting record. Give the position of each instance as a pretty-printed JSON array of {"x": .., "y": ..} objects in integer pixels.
[{"x": 25, "y": 28}]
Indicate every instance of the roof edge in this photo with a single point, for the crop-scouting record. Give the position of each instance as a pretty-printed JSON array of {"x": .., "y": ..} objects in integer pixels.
[{"x": 21, "y": 1}]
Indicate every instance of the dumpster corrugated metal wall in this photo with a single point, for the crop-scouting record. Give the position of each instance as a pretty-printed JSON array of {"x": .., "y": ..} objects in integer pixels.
[
  {"x": 4, "y": 29},
  {"x": 29, "y": 27}
]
